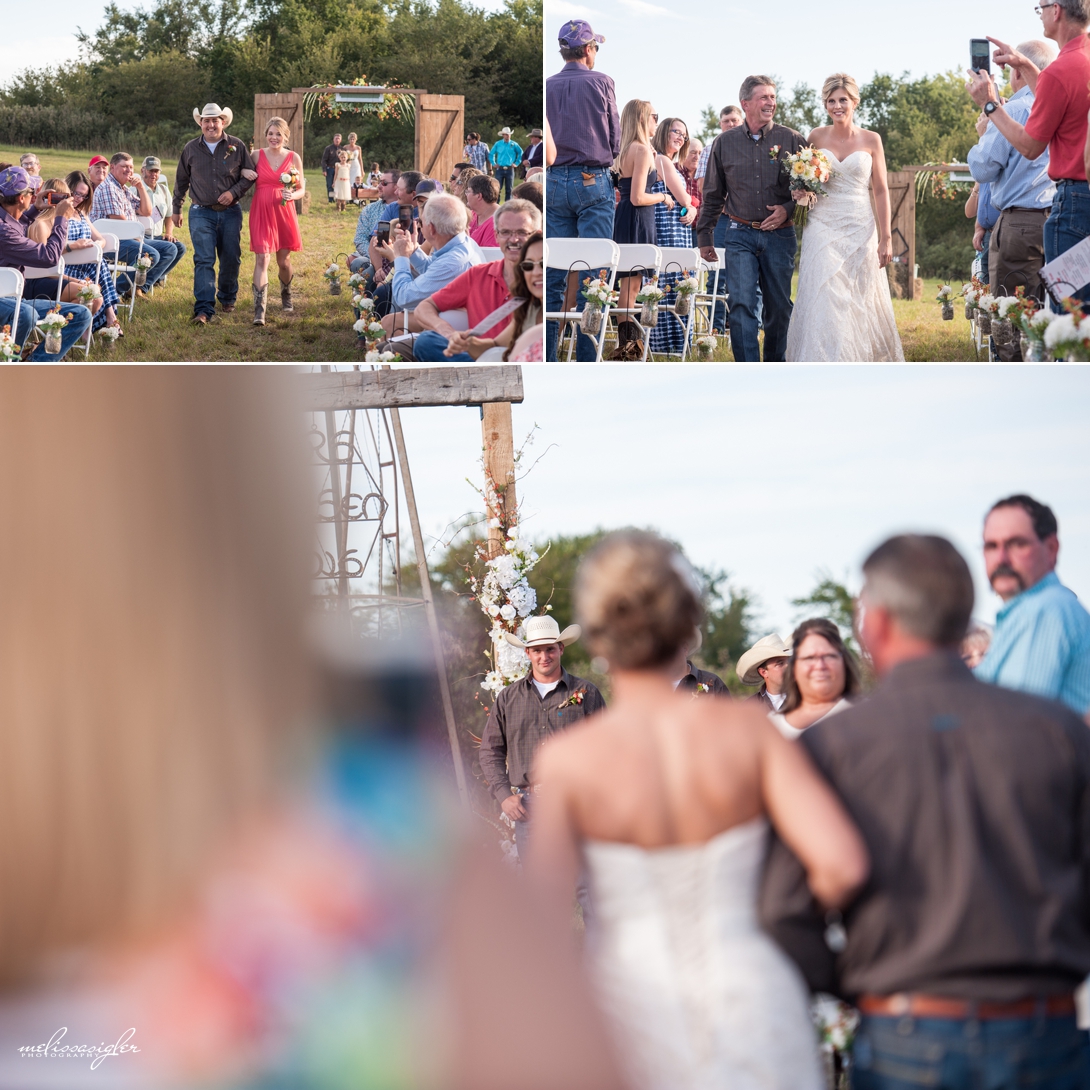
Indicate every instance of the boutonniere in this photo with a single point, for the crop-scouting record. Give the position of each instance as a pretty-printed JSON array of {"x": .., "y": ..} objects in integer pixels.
[
  {"x": 230, "y": 150},
  {"x": 774, "y": 153},
  {"x": 575, "y": 699},
  {"x": 701, "y": 689}
]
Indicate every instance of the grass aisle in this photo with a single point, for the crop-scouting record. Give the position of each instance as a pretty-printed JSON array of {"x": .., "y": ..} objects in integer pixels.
[{"x": 320, "y": 329}]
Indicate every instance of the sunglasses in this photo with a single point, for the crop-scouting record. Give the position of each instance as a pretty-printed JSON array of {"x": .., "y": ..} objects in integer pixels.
[{"x": 529, "y": 266}]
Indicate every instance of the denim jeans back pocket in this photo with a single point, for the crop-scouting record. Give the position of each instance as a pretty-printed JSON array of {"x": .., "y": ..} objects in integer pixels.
[{"x": 886, "y": 1057}]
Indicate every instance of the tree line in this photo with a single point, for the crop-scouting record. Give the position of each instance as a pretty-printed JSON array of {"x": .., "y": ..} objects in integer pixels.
[
  {"x": 930, "y": 119},
  {"x": 142, "y": 71}
]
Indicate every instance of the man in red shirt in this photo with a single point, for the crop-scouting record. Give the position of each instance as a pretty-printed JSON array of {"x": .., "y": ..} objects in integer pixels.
[
  {"x": 480, "y": 290},
  {"x": 1058, "y": 120}
]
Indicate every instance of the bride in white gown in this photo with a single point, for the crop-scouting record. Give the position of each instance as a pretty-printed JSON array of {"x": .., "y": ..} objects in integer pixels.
[
  {"x": 666, "y": 800},
  {"x": 843, "y": 311}
]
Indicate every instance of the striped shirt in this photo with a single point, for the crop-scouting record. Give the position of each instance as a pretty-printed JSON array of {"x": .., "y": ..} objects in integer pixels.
[
  {"x": 1042, "y": 645},
  {"x": 702, "y": 162},
  {"x": 477, "y": 154},
  {"x": 111, "y": 199}
]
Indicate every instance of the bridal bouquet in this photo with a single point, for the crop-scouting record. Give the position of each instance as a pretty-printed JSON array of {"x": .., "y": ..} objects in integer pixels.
[
  {"x": 808, "y": 170},
  {"x": 289, "y": 179}
]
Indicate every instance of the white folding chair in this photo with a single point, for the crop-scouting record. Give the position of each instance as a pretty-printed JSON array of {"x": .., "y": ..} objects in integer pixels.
[
  {"x": 149, "y": 225},
  {"x": 43, "y": 273},
  {"x": 582, "y": 255},
  {"x": 88, "y": 255},
  {"x": 680, "y": 259},
  {"x": 707, "y": 300},
  {"x": 11, "y": 287},
  {"x": 643, "y": 258},
  {"x": 122, "y": 230},
  {"x": 492, "y": 253}
]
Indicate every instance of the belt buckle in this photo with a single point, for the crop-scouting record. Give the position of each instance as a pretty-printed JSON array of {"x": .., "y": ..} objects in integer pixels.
[{"x": 755, "y": 224}]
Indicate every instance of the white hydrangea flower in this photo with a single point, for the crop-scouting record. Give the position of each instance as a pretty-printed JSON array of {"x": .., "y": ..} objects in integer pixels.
[
  {"x": 507, "y": 612},
  {"x": 504, "y": 569},
  {"x": 1062, "y": 331},
  {"x": 524, "y": 599},
  {"x": 1042, "y": 319},
  {"x": 1005, "y": 304}
]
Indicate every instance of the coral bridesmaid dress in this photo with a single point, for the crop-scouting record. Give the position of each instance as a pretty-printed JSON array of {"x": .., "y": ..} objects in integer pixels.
[{"x": 273, "y": 225}]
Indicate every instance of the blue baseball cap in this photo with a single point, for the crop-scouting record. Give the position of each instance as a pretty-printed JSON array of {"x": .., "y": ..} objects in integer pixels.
[
  {"x": 15, "y": 180},
  {"x": 577, "y": 32}
]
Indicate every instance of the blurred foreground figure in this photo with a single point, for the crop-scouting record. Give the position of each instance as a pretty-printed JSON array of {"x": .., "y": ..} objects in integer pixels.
[
  {"x": 965, "y": 947},
  {"x": 668, "y": 800},
  {"x": 228, "y": 862}
]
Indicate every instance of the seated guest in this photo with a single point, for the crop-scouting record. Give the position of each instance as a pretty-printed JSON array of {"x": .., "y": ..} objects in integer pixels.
[
  {"x": 97, "y": 169},
  {"x": 480, "y": 290},
  {"x": 368, "y": 220},
  {"x": 456, "y": 174},
  {"x": 458, "y": 182},
  {"x": 373, "y": 176},
  {"x": 111, "y": 201},
  {"x": 534, "y": 192},
  {"x": 30, "y": 163},
  {"x": 483, "y": 198},
  {"x": 529, "y": 285},
  {"x": 81, "y": 235},
  {"x": 688, "y": 170},
  {"x": 382, "y": 255},
  {"x": 418, "y": 275},
  {"x": 162, "y": 209},
  {"x": 17, "y": 251}
]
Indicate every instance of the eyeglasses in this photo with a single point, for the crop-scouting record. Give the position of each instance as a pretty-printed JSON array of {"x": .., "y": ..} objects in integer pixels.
[
  {"x": 813, "y": 660},
  {"x": 529, "y": 266},
  {"x": 1040, "y": 8},
  {"x": 678, "y": 132},
  {"x": 512, "y": 234},
  {"x": 655, "y": 118}
]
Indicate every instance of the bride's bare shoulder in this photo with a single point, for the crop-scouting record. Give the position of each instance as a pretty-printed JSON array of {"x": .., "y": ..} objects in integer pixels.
[{"x": 817, "y": 134}]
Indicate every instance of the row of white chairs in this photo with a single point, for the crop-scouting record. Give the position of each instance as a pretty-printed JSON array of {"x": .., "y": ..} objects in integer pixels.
[{"x": 593, "y": 254}]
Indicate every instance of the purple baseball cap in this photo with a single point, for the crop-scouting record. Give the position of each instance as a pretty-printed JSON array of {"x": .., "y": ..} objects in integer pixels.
[
  {"x": 15, "y": 180},
  {"x": 577, "y": 32}
]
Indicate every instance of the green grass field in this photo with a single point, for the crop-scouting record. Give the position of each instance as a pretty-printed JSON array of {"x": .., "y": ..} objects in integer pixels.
[{"x": 320, "y": 329}]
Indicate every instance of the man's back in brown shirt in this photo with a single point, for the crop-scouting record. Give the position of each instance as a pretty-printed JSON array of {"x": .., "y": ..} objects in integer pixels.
[{"x": 974, "y": 802}]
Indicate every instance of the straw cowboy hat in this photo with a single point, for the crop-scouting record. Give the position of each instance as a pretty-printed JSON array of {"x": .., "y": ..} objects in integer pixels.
[
  {"x": 542, "y": 631},
  {"x": 771, "y": 647},
  {"x": 212, "y": 109}
]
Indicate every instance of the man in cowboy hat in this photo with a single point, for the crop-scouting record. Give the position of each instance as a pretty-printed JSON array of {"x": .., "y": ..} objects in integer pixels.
[
  {"x": 211, "y": 169},
  {"x": 527, "y": 712},
  {"x": 764, "y": 664},
  {"x": 533, "y": 155},
  {"x": 504, "y": 157},
  {"x": 697, "y": 681}
]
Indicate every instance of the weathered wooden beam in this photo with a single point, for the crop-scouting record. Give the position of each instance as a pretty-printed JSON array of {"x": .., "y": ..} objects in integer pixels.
[{"x": 411, "y": 387}]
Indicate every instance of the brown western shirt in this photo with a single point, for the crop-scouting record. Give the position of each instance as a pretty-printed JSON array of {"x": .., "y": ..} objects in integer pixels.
[
  {"x": 696, "y": 677},
  {"x": 974, "y": 802},
  {"x": 521, "y": 720},
  {"x": 205, "y": 176},
  {"x": 745, "y": 176}
]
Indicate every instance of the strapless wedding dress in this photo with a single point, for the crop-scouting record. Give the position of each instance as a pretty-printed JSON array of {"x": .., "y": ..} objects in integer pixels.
[
  {"x": 843, "y": 312},
  {"x": 699, "y": 998}
]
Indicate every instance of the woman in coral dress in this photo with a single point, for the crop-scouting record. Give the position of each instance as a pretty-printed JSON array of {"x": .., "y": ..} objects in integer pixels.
[{"x": 274, "y": 227}]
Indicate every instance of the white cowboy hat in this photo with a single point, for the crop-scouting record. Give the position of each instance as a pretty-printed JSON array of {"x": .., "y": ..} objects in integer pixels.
[
  {"x": 541, "y": 631},
  {"x": 212, "y": 109},
  {"x": 505, "y": 131},
  {"x": 770, "y": 647}
]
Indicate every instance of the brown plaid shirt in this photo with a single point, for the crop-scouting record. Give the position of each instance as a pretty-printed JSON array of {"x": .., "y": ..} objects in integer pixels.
[
  {"x": 205, "y": 176},
  {"x": 519, "y": 723},
  {"x": 744, "y": 176}
]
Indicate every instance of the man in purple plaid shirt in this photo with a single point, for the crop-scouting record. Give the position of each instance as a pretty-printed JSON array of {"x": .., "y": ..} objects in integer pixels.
[{"x": 581, "y": 106}]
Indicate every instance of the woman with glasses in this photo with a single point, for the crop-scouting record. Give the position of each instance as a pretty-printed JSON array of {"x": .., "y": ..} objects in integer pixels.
[
  {"x": 820, "y": 676},
  {"x": 81, "y": 236},
  {"x": 673, "y": 225}
]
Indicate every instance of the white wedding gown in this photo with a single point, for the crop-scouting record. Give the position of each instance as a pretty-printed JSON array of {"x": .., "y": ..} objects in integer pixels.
[
  {"x": 699, "y": 998},
  {"x": 843, "y": 312}
]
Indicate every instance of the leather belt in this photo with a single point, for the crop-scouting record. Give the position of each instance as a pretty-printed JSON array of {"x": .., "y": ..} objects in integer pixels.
[
  {"x": 755, "y": 224},
  {"x": 915, "y": 1005},
  {"x": 1042, "y": 211}
]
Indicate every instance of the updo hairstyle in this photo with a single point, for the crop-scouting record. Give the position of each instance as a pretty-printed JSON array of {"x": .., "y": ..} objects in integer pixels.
[
  {"x": 835, "y": 83},
  {"x": 281, "y": 127},
  {"x": 637, "y": 600}
]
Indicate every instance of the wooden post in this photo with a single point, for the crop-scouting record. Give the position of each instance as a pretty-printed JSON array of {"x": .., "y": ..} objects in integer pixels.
[
  {"x": 499, "y": 464},
  {"x": 902, "y": 270}
]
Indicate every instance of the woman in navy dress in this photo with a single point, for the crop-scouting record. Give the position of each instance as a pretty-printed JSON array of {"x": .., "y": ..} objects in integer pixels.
[
  {"x": 634, "y": 219},
  {"x": 671, "y": 141}
]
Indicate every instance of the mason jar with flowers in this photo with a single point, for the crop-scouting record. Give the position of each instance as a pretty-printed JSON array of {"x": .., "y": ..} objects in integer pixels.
[
  {"x": 143, "y": 263},
  {"x": 1068, "y": 337},
  {"x": 1034, "y": 324},
  {"x": 9, "y": 350},
  {"x": 363, "y": 306},
  {"x": 946, "y": 297},
  {"x": 704, "y": 348},
  {"x": 598, "y": 295},
  {"x": 649, "y": 298},
  {"x": 332, "y": 276},
  {"x": 684, "y": 291},
  {"x": 51, "y": 325},
  {"x": 986, "y": 308}
]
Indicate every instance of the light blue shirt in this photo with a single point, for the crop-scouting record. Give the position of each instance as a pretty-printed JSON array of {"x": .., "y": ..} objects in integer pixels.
[
  {"x": 1042, "y": 645},
  {"x": 1017, "y": 182},
  {"x": 506, "y": 153},
  {"x": 433, "y": 271}
]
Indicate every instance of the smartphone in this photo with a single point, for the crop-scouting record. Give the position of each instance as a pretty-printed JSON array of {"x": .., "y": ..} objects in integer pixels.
[
  {"x": 980, "y": 54},
  {"x": 405, "y": 219},
  {"x": 382, "y": 232}
]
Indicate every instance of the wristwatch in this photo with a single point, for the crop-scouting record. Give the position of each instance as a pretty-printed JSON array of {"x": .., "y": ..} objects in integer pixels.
[{"x": 990, "y": 108}]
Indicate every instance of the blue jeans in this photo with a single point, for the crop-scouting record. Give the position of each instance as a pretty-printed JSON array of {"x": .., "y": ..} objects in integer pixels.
[
  {"x": 759, "y": 261},
  {"x": 179, "y": 252},
  {"x": 329, "y": 184},
  {"x": 168, "y": 258},
  {"x": 575, "y": 210},
  {"x": 1068, "y": 225},
  {"x": 506, "y": 177},
  {"x": 30, "y": 310},
  {"x": 428, "y": 348},
  {"x": 215, "y": 234},
  {"x": 127, "y": 251},
  {"x": 956, "y": 1054}
]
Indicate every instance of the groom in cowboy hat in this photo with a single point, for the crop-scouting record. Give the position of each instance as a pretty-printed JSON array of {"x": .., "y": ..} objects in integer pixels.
[
  {"x": 210, "y": 170},
  {"x": 529, "y": 711},
  {"x": 764, "y": 664}
]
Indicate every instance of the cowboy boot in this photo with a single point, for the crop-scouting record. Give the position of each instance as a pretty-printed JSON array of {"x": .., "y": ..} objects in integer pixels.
[
  {"x": 261, "y": 298},
  {"x": 285, "y": 294}
]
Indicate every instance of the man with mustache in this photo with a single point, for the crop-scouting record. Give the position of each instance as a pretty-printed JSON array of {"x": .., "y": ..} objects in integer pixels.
[{"x": 1042, "y": 633}]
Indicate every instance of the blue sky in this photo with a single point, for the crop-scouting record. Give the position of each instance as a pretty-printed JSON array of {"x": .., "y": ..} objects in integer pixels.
[
  {"x": 683, "y": 57},
  {"x": 775, "y": 472}
]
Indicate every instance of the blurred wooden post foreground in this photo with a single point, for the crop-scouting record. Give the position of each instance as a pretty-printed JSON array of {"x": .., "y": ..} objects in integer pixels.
[{"x": 499, "y": 466}]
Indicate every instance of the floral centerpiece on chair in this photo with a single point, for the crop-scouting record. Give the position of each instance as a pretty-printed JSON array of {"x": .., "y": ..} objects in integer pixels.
[
  {"x": 598, "y": 295},
  {"x": 9, "y": 350},
  {"x": 332, "y": 276},
  {"x": 1067, "y": 336},
  {"x": 51, "y": 324},
  {"x": 946, "y": 297},
  {"x": 649, "y": 298},
  {"x": 88, "y": 292},
  {"x": 986, "y": 305},
  {"x": 1006, "y": 309},
  {"x": 684, "y": 291},
  {"x": 142, "y": 264},
  {"x": 704, "y": 347}
]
